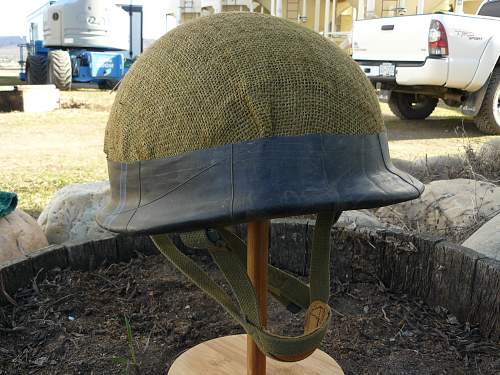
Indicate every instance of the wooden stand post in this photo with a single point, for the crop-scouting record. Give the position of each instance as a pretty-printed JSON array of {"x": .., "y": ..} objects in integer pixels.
[{"x": 257, "y": 255}]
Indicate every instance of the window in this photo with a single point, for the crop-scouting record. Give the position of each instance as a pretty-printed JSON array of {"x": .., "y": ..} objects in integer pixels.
[{"x": 491, "y": 9}]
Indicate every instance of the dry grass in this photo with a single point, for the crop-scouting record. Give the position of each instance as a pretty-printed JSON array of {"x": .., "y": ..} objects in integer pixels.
[
  {"x": 473, "y": 165},
  {"x": 445, "y": 146},
  {"x": 91, "y": 99},
  {"x": 9, "y": 77},
  {"x": 480, "y": 165},
  {"x": 470, "y": 163},
  {"x": 41, "y": 153},
  {"x": 9, "y": 81}
]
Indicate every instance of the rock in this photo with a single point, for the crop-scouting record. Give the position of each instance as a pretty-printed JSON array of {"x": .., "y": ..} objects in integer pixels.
[
  {"x": 19, "y": 234},
  {"x": 70, "y": 215},
  {"x": 447, "y": 205},
  {"x": 486, "y": 240},
  {"x": 352, "y": 219},
  {"x": 348, "y": 219}
]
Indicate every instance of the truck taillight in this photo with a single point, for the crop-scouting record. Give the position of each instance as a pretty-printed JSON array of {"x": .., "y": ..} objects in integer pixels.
[{"x": 438, "y": 41}]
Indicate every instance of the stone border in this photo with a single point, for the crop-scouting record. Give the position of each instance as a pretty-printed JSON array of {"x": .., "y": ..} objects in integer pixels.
[{"x": 439, "y": 272}]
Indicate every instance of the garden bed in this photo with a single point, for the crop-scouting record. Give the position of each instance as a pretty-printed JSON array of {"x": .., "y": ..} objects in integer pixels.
[
  {"x": 72, "y": 322},
  {"x": 403, "y": 304}
]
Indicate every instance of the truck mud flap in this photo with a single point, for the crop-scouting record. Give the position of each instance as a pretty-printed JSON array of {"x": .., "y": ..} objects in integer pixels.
[
  {"x": 472, "y": 104},
  {"x": 382, "y": 94}
]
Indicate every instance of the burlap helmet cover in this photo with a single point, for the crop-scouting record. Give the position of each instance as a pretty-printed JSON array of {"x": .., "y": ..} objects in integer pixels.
[
  {"x": 240, "y": 116},
  {"x": 237, "y": 77}
]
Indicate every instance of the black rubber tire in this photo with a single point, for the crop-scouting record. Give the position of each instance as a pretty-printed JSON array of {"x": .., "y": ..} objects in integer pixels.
[
  {"x": 107, "y": 84},
  {"x": 412, "y": 106},
  {"x": 36, "y": 70},
  {"x": 485, "y": 119},
  {"x": 59, "y": 72}
]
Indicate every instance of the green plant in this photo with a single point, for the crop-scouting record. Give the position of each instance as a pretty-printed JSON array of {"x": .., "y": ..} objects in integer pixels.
[{"x": 132, "y": 366}]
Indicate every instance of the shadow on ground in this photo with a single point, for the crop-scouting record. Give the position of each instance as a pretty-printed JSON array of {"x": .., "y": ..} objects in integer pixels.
[{"x": 431, "y": 128}]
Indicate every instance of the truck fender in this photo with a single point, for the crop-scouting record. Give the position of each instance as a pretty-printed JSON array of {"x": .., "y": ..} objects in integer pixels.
[{"x": 487, "y": 63}]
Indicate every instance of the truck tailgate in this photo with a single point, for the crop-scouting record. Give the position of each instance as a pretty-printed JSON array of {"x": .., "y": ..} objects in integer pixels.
[{"x": 392, "y": 39}]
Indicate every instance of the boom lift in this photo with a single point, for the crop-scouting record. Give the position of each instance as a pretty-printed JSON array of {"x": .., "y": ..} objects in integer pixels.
[{"x": 85, "y": 41}]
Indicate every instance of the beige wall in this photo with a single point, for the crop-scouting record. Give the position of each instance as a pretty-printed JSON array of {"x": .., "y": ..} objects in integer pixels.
[
  {"x": 470, "y": 7},
  {"x": 344, "y": 10},
  {"x": 431, "y": 6},
  {"x": 344, "y": 15},
  {"x": 344, "y": 20}
]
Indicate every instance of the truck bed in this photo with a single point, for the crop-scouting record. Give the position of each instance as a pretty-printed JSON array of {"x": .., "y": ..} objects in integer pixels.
[{"x": 404, "y": 42}]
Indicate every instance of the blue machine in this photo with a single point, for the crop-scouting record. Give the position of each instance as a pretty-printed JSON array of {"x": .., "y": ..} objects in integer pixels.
[
  {"x": 86, "y": 42},
  {"x": 90, "y": 66}
]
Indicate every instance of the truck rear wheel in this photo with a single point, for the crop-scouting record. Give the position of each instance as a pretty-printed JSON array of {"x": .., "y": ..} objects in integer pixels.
[
  {"x": 60, "y": 69},
  {"x": 412, "y": 106},
  {"x": 488, "y": 118},
  {"x": 36, "y": 70}
]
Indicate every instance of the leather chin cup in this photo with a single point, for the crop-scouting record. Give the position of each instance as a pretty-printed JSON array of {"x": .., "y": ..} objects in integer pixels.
[{"x": 316, "y": 315}]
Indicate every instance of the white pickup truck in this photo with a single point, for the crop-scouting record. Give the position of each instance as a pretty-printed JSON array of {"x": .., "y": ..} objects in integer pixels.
[{"x": 414, "y": 61}]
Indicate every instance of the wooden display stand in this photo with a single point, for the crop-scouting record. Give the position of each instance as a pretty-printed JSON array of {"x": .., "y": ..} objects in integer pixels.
[{"x": 237, "y": 355}]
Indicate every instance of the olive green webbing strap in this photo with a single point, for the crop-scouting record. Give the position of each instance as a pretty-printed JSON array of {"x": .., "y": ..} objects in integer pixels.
[
  {"x": 319, "y": 270},
  {"x": 229, "y": 253},
  {"x": 290, "y": 291},
  {"x": 199, "y": 277}
]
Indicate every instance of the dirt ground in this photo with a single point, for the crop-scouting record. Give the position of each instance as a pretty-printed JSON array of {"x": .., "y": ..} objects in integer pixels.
[
  {"x": 74, "y": 323},
  {"x": 445, "y": 132}
]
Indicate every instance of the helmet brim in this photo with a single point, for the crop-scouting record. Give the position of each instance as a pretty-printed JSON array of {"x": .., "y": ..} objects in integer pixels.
[{"x": 266, "y": 178}]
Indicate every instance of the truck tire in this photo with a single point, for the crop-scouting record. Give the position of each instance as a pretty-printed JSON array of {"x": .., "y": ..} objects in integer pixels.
[
  {"x": 36, "y": 70},
  {"x": 60, "y": 69},
  {"x": 411, "y": 106},
  {"x": 488, "y": 118}
]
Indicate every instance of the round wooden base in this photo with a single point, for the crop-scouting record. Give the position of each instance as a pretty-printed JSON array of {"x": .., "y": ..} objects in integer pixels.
[{"x": 228, "y": 356}]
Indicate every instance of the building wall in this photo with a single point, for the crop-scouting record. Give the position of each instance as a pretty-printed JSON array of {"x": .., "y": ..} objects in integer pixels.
[
  {"x": 471, "y": 7},
  {"x": 346, "y": 10}
]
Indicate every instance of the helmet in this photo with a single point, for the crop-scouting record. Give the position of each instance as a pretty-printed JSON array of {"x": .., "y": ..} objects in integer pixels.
[{"x": 240, "y": 116}]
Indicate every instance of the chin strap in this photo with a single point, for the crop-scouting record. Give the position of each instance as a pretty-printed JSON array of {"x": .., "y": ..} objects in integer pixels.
[{"x": 229, "y": 253}]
